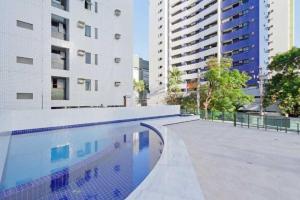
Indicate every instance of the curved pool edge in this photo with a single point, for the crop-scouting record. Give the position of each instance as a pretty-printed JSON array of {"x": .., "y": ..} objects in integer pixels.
[
  {"x": 153, "y": 129},
  {"x": 174, "y": 176}
]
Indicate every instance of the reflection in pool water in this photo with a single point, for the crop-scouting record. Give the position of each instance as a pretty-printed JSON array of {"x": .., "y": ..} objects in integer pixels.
[{"x": 99, "y": 162}]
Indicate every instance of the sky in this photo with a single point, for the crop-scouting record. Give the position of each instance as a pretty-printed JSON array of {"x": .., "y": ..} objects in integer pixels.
[
  {"x": 141, "y": 16},
  {"x": 141, "y": 28}
]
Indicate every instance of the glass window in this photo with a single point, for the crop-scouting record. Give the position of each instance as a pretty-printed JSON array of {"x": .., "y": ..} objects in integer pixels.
[
  {"x": 88, "y": 58},
  {"x": 23, "y": 60},
  {"x": 25, "y": 25},
  {"x": 96, "y": 85},
  {"x": 24, "y": 95},
  {"x": 88, "y": 85},
  {"x": 96, "y": 59},
  {"x": 88, "y": 31},
  {"x": 96, "y": 33},
  {"x": 96, "y": 7},
  {"x": 88, "y": 4}
]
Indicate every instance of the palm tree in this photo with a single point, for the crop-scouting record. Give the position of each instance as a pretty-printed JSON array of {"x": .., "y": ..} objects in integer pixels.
[
  {"x": 174, "y": 80},
  {"x": 139, "y": 87}
]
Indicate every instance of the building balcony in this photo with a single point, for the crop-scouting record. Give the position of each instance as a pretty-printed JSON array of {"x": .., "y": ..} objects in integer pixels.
[
  {"x": 59, "y": 90},
  {"x": 59, "y": 27},
  {"x": 59, "y": 58},
  {"x": 60, "y": 4}
]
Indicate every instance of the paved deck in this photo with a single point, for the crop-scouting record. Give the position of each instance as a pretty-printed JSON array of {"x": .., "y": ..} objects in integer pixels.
[
  {"x": 240, "y": 164},
  {"x": 173, "y": 177}
]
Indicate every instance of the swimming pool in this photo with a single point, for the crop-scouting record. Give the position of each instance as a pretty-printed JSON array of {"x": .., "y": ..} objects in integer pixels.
[{"x": 95, "y": 162}]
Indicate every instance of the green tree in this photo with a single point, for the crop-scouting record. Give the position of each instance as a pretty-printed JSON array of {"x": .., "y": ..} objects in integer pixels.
[
  {"x": 189, "y": 102},
  {"x": 223, "y": 90},
  {"x": 284, "y": 86},
  {"x": 174, "y": 79},
  {"x": 139, "y": 87}
]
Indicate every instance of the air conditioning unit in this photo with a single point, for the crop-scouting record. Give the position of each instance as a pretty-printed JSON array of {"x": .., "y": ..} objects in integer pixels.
[
  {"x": 80, "y": 52},
  {"x": 80, "y": 81},
  {"x": 80, "y": 24},
  {"x": 117, "y": 60},
  {"x": 117, "y": 12},
  {"x": 117, "y": 84},
  {"x": 117, "y": 36}
]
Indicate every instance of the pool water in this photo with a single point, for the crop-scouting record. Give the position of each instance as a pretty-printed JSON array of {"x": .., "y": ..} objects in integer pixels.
[{"x": 96, "y": 162}]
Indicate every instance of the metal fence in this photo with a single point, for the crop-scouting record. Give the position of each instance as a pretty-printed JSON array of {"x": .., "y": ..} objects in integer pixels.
[{"x": 277, "y": 123}]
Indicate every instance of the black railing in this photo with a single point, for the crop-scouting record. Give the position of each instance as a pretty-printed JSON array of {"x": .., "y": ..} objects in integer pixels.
[{"x": 239, "y": 119}]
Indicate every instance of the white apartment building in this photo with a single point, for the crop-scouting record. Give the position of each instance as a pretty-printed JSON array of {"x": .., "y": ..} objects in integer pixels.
[
  {"x": 183, "y": 34},
  {"x": 65, "y": 53},
  {"x": 141, "y": 73},
  {"x": 281, "y": 26}
]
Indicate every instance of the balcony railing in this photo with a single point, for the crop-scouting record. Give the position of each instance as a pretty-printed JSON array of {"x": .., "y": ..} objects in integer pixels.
[
  {"x": 58, "y": 94},
  {"x": 57, "y": 62},
  {"x": 57, "y": 34}
]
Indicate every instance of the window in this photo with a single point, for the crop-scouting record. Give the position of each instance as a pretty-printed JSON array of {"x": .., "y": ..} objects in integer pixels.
[
  {"x": 88, "y": 58},
  {"x": 96, "y": 7},
  {"x": 88, "y": 4},
  {"x": 25, "y": 25},
  {"x": 96, "y": 59},
  {"x": 59, "y": 88},
  {"x": 23, "y": 60},
  {"x": 96, "y": 33},
  {"x": 25, "y": 96},
  {"x": 61, "y": 4},
  {"x": 117, "y": 12},
  {"x": 88, "y": 31},
  {"x": 96, "y": 85},
  {"x": 88, "y": 84}
]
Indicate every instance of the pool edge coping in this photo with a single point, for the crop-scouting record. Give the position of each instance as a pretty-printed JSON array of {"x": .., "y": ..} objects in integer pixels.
[
  {"x": 44, "y": 129},
  {"x": 143, "y": 190}
]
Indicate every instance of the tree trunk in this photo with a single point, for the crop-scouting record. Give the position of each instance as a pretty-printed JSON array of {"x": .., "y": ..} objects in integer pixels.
[{"x": 206, "y": 112}]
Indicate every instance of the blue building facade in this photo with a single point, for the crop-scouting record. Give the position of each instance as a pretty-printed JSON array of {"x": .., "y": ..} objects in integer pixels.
[{"x": 240, "y": 36}]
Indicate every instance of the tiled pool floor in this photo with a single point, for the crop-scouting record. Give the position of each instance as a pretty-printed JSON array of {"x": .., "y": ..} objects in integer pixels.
[{"x": 113, "y": 162}]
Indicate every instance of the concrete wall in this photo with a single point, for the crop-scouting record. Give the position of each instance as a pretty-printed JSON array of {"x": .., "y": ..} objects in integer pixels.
[{"x": 20, "y": 120}]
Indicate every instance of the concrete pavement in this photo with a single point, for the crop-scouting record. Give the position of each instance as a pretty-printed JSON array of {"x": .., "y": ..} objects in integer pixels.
[{"x": 242, "y": 164}]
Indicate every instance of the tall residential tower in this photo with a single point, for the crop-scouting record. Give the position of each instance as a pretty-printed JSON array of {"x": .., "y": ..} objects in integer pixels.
[
  {"x": 184, "y": 34},
  {"x": 65, "y": 53}
]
